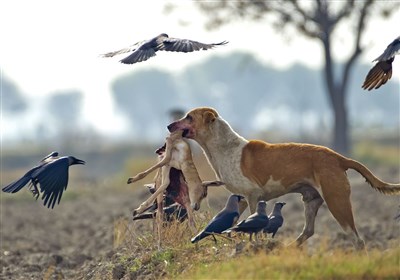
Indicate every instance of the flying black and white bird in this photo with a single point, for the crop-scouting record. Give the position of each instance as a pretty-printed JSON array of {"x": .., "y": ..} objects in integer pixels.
[
  {"x": 226, "y": 218},
  {"x": 275, "y": 219},
  {"x": 143, "y": 50},
  {"x": 51, "y": 174},
  {"x": 382, "y": 71},
  {"x": 254, "y": 223}
]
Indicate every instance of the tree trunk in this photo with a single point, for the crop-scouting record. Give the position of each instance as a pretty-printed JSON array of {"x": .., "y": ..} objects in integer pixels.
[
  {"x": 341, "y": 143},
  {"x": 337, "y": 98}
]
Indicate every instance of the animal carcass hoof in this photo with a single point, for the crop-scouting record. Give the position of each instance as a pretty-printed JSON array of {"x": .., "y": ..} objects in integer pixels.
[{"x": 139, "y": 210}]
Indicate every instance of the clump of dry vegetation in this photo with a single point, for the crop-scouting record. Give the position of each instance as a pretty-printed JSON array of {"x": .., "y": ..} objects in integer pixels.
[{"x": 137, "y": 256}]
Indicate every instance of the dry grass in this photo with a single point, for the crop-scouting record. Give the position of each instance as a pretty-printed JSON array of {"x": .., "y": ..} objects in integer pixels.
[
  {"x": 377, "y": 154},
  {"x": 240, "y": 259}
]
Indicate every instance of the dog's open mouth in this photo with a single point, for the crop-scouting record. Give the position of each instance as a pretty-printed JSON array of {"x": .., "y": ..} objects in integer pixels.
[{"x": 185, "y": 132}]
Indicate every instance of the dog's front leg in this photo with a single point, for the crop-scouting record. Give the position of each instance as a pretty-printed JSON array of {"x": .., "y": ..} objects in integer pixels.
[
  {"x": 252, "y": 201},
  {"x": 164, "y": 184}
]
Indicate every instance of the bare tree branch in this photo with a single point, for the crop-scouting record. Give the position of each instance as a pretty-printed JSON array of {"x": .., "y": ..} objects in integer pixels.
[
  {"x": 357, "y": 46},
  {"x": 315, "y": 19},
  {"x": 302, "y": 12},
  {"x": 345, "y": 12}
]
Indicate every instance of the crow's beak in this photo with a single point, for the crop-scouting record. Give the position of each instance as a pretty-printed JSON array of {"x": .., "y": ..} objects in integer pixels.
[{"x": 79, "y": 161}]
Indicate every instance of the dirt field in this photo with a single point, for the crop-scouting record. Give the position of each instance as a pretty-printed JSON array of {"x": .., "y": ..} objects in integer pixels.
[{"x": 76, "y": 239}]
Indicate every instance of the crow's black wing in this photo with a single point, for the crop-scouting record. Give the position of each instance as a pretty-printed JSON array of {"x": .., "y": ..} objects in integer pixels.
[
  {"x": 378, "y": 75},
  {"x": 124, "y": 50},
  {"x": 217, "y": 225},
  {"x": 53, "y": 180},
  {"x": 392, "y": 49},
  {"x": 253, "y": 223},
  {"x": 185, "y": 45},
  {"x": 138, "y": 55},
  {"x": 274, "y": 223}
]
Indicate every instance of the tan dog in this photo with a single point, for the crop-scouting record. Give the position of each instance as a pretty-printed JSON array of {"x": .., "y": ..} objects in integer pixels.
[
  {"x": 177, "y": 155},
  {"x": 262, "y": 171}
]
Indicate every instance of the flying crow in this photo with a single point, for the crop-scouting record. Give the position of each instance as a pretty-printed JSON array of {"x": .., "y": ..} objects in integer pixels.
[
  {"x": 382, "y": 71},
  {"x": 52, "y": 176},
  {"x": 143, "y": 50}
]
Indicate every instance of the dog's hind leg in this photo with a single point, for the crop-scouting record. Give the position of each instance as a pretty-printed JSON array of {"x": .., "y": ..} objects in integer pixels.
[
  {"x": 336, "y": 192},
  {"x": 312, "y": 201}
]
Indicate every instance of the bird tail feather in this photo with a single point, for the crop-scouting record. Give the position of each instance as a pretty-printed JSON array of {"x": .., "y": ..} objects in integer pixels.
[
  {"x": 16, "y": 185},
  {"x": 199, "y": 237}
]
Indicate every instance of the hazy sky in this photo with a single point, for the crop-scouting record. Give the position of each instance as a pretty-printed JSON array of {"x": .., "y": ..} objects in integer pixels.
[{"x": 54, "y": 45}]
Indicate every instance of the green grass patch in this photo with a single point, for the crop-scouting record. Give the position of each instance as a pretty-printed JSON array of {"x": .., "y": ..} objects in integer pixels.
[
  {"x": 287, "y": 263},
  {"x": 240, "y": 259},
  {"x": 370, "y": 153}
]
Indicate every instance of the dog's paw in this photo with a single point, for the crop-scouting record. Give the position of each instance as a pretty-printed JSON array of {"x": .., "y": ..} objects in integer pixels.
[{"x": 130, "y": 180}]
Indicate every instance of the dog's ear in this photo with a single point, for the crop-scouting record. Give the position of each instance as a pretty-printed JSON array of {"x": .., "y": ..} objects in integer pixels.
[{"x": 209, "y": 117}]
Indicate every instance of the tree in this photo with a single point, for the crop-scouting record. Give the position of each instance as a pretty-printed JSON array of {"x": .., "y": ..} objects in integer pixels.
[
  {"x": 316, "y": 20},
  {"x": 143, "y": 97},
  {"x": 65, "y": 108},
  {"x": 12, "y": 100}
]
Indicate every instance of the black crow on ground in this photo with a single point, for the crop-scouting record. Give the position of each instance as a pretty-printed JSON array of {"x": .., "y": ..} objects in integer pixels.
[
  {"x": 275, "y": 219},
  {"x": 226, "y": 218},
  {"x": 52, "y": 176},
  {"x": 143, "y": 50},
  {"x": 254, "y": 223},
  {"x": 382, "y": 71}
]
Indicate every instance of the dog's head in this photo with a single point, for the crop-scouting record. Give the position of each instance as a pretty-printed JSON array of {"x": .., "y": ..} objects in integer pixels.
[{"x": 196, "y": 123}]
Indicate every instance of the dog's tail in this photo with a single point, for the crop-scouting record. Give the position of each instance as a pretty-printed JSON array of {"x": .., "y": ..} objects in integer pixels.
[{"x": 376, "y": 183}]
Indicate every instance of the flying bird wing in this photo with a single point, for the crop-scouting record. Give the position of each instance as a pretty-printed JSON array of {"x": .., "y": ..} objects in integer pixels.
[
  {"x": 49, "y": 157},
  {"x": 185, "y": 45},
  {"x": 382, "y": 71},
  {"x": 53, "y": 180},
  {"x": 378, "y": 75},
  {"x": 124, "y": 50},
  {"x": 138, "y": 55},
  {"x": 392, "y": 49},
  {"x": 15, "y": 186}
]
